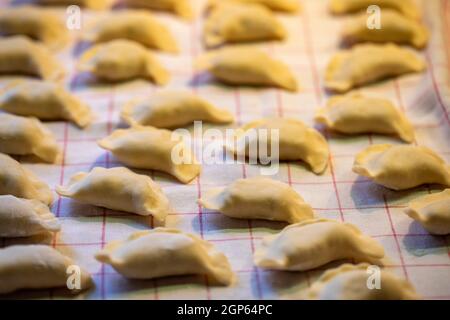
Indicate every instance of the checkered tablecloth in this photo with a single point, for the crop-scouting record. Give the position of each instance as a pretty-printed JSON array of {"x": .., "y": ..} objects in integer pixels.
[{"x": 337, "y": 194}]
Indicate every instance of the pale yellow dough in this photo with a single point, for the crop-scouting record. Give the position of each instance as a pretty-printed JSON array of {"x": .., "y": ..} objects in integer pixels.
[
  {"x": 21, "y": 56},
  {"x": 247, "y": 66},
  {"x": 25, "y": 218},
  {"x": 182, "y": 8},
  {"x": 151, "y": 148},
  {"x": 368, "y": 63},
  {"x": 233, "y": 23},
  {"x": 37, "y": 267},
  {"x": 402, "y": 167},
  {"x": 432, "y": 212},
  {"x": 406, "y": 7},
  {"x": 166, "y": 252},
  {"x": 21, "y": 182},
  {"x": 45, "y": 101},
  {"x": 27, "y": 136},
  {"x": 121, "y": 60},
  {"x": 355, "y": 114},
  {"x": 89, "y": 4},
  {"x": 118, "y": 189},
  {"x": 258, "y": 198},
  {"x": 349, "y": 282},
  {"x": 173, "y": 109},
  {"x": 289, "y": 6},
  {"x": 313, "y": 243}
]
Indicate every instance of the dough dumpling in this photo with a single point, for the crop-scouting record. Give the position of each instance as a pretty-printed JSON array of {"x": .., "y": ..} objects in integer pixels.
[
  {"x": 150, "y": 148},
  {"x": 368, "y": 63},
  {"x": 289, "y": 6},
  {"x": 37, "y": 267},
  {"x": 37, "y": 23},
  {"x": 118, "y": 189},
  {"x": 179, "y": 7},
  {"x": 401, "y": 167},
  {"x": 134, "y": 25},
  {"x": 88, "y": 4},
  {"x": 45, "y": 101},
  {"x": 432, "y": 212},
  {"x": 163, "y": 252},
  {"x": 21, "y": 56},
  {"x": 248, "y": 66},
  {"x": 313, "y": 243},
  {"x": 173, "y": 109},
  {"x": 258, "y": 198},
  {"x": 25, "y": 218},
  {"x": 354, "y": 114},
  {"x": 296, "y": 141},
  {"x": 395, "y": 28},
  {"x": 21, "y": 182},
  {"x": 121, "y": 60},
  {"x": 27, "y": 136},
  {"x": 349, "y": 282},
  {"x": 406, "y": 7},
  {"x": 232, "y": 23}
]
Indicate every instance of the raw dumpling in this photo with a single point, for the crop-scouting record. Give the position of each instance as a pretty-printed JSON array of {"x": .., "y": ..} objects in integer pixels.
[
  {"x": 248, "y": 66},
  {"x": 173, "y": 109},
  {"x": 401, "y": 167},
  {"x": 21, "y": 182},
  {"x": 135, "y": 25},
  {"x": 89, "y": 4},
  {"x": 406, "y": 7},
  {"x": 258, "y": 198},
  {"x": 118, "y": 189},
  {"x": 120, "y": 60},
  {"x": 368, "y": 63},
  {"x": 27, "y": 136},
  {"x": 296, "y": 141},
  {"x": 314, "y": 243},
  {"x": 152, "y": 149},
  {"x": 290, "y": 6},
  {"x": 36, "y": 23},
  {"x": 25, "y": 218},
  {"x": 395, "y": 28},
  {"x": 231, "y": 23},
  {"x": 349, "y": 282},
  {"x": 355, "y": 114},
  {"x": 21, "y": 56},
  {"x": 38, "y": 267},
  {"x": 166, "y": 252},
  {"x": 432, "y": 212},
  {"x": 44, "y": 100},
  {"x": 180, "y": 7}
]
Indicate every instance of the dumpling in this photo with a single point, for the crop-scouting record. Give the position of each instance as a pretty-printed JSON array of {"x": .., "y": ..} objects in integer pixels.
[
  {"x": 27, "y": 136},
  {"x": 247, "y": 66},
  {"x": 258, "y": 198},
  {"x": 353, "y": 114},
  {"x": 395, "y": 28},
  {"x": 25, "y": 218},
  {"x": 121, "y": 60},
  {"x": 406, "y": 7},
  {"x": 401, "y": 167},
  {"x": 296, "y": 141},
  {"x": 152, "y": 149},
  {"x": 289, "y": 6},
  {"x": 179, "y": 7},
  {"x": 163, "y": 252},
  {"x": 231, "y": 23},
  {"x": 173, "y": 109},
  {"x": 89, "y": 4},
  {"x": 314, "y": 243},
  {"x": 135, "y": 25},
  {"x": 45, "y": 101},
  {"x": 349, "y": 282},
  {"x": 36, "y": 23},
  {"x": 38, "y": 267},
  {"x": 368, "y": 63},
  {"x": 21, "y": 56},
  {"x": 432, "y": 212},
  {"x": 118, "y": 189},
  {"x": 21, "y": 182}
]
